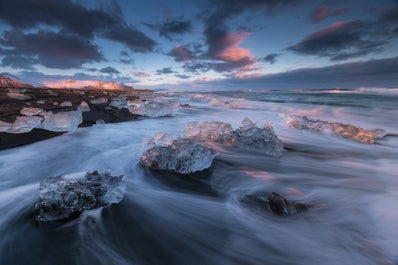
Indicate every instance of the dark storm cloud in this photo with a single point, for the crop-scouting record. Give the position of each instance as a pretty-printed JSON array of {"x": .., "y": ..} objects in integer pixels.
[
  {"x": 374, "y": 73},
  {"x": 340, "y": 41},
  {"x": 347, "y": 39},
  {"x": 72, "y": 21},
  {"x": 271, "y": 58},
  {"x": 182, "y": 54},
  {"x": 53, "y": 50},
  {"x": 18, "y": 62},
  {"x": 170, "y": 28},
  {"x": 109, "y": 70},
  {"x": 165, "y": 71}
]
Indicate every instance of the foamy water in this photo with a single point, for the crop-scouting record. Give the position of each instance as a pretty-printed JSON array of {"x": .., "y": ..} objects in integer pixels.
[{"x": 167, "y": 219}]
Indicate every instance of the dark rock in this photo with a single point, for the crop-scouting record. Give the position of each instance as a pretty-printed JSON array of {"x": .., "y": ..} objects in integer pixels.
[{"x": 277, "y": 204}]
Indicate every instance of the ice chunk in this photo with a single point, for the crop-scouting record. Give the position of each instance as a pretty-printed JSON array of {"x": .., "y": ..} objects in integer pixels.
[
  {"x": 52, "y": 93},
  {"x": 18, "y": 96},
  {"x": 17, "y": 90},
  {"x": 154, "y": 107},
  {"x": 62, "y": 197},
  {"x": 264, "y": 140},
  {"x": 41, "y": 102},
  {"x": 159, "y": 139},
  {"x": 334, "y": 128},
  {"x": 83, "y": 107},
  {"x": 31, "y": 111},
  {"x": 249, "y": 136},
  {"x": 215, "y": 131},
  {"x": 99, "y": 101},
  {"x": 22, "y": 124},
  {"x": 119, "y": 103},
  {"x": 182, "y": 156},
  {"x": 62, "y": 121},
  {"x": 66, "y": 104},
  {"x": 25, "y": 124}
]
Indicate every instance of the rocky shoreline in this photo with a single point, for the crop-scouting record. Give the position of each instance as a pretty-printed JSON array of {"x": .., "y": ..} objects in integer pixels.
[{"x": 98, "y": 103}]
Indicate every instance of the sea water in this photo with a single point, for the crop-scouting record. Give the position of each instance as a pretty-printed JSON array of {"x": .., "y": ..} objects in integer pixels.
[{"x": 171, "y": 219}]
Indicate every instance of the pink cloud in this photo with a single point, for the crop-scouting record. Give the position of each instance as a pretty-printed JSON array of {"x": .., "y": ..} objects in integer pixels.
[
  {"x": 339, "y": 25},
  {"x": 319, "y": 13},
  {"x": 139, "y": 74},
  {"x": 232, "y": 52}
]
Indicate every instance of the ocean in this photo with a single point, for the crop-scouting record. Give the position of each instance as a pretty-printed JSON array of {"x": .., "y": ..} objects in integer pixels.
[{"x": 166, "y": 218}]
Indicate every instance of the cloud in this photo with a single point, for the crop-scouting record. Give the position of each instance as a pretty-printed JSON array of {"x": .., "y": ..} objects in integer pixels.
[
  {"x": 183, "y": 76},
  {"x": 109, "y": 70},
  {"x": 139, "y": 74},
  {"x": 341, "y": 40},
  {"x": 165, "y": 71},
  {"x": 373, "y": 73},
  {"x": 196, "y": 68},
  {"x": 319, "y": 13},
  {"x": 182, "y": 54},
  {"x": 170, "y": 28},
  {"x": 51, "y": 49},
  {"x": 271, "y": 58},
  {"x": 74, "y": 28},
  {"x": 18, "y": 62}
]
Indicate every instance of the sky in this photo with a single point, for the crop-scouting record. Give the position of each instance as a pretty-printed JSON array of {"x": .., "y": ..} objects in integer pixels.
[{"x": 202, "y": 44}]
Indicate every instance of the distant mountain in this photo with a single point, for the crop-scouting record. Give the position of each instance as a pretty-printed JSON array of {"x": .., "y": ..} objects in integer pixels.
[
  {"x": 7, "y": 82},
  {"x": 86, "y": 84}
]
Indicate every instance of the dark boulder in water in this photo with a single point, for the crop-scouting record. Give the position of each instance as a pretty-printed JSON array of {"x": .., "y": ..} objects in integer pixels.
[
  {"x": 277, "y": 204},
  {"x": 62, "y": 197}
]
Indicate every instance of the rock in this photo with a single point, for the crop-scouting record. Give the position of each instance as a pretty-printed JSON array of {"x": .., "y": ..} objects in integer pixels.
[
  {"x": 183, "y": 156},
  {"x": 18, "y": 96},
  {"x": 66, "y": 104},
  {"x": 334, "y": 128},
  {"x": 98, "y": 101},
  {"x": 62, "y": 197},
  {"x": 277, "y": 204}
]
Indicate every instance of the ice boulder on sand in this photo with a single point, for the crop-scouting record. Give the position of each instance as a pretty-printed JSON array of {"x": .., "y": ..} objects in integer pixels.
[
  {"x": 64, "y": 197},
  {"x": 183, "y": 156},
  {"x": 154, "y": 107},
  {"x": 22, "y": 124},
  {"x": 334, "y": 128},
  {"x": 62, "y": 121}
]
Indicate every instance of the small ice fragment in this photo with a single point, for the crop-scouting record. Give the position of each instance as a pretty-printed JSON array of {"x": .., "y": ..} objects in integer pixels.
[
  {"x": 83, "y": 107},
  {"x": 182, "y": 156},
  {"x": 66, "y": 104},
  {"x": 52, "y": 93},
  {"x": 22, "y": 124},
  {"x": 18, "y": 96},
  {"x": 40, "y": 102},
  {"x": 99, "y": 101},
  {"x": 31, "y": 111}
]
